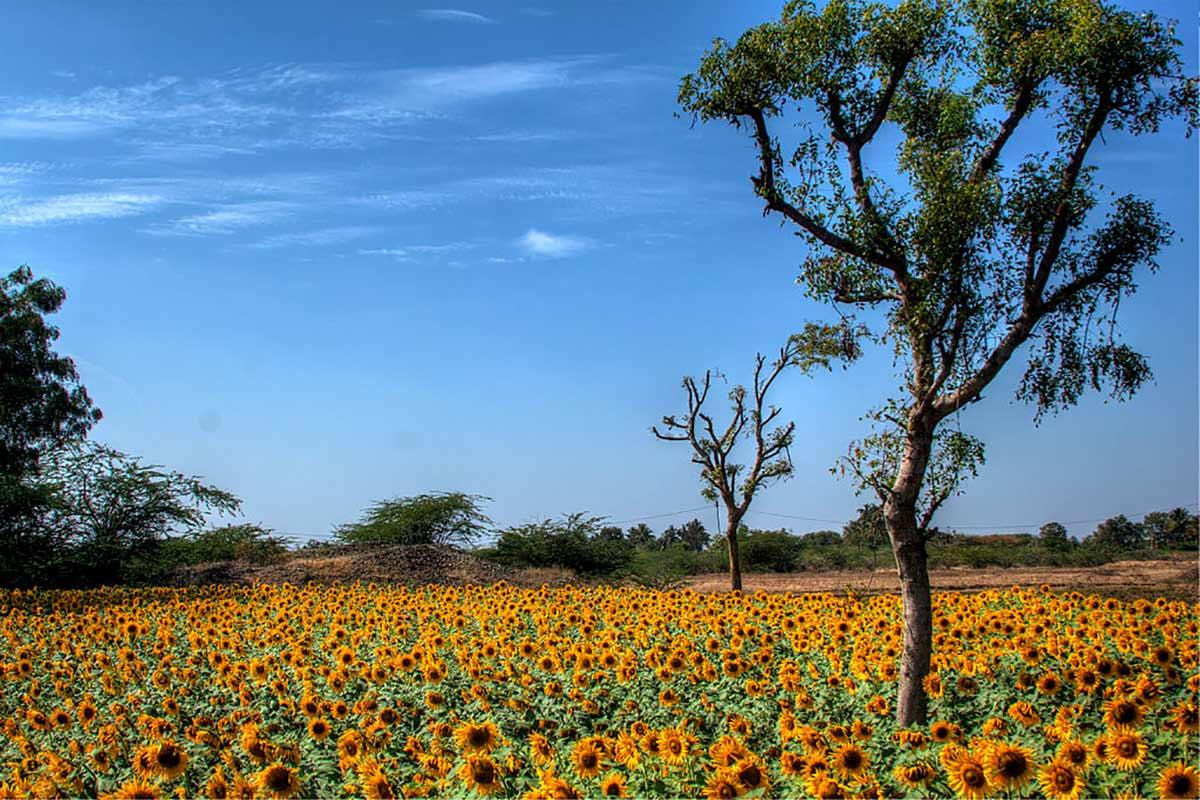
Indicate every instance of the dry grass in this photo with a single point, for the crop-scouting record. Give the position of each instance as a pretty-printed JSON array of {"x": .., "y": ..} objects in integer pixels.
[{"x": 1177, "y": 577}]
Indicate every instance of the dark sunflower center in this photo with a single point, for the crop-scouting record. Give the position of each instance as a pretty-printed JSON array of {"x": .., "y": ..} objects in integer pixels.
[
  {"x": 1181, "y": 786},
  {"x": 279, "y": 779},
  {"x": 483, "y": 773},
  {"x": 852, "y": 759},
  {"x": 1127, "y": 748},
  {"x": 973, "y": 777},
  {"x": 1063, "y": 779},
  {"x": 1013, "y": 765},
  {"x": 479, "y": 737},
  {"x": 588, "y": 760},
  {"x": 168, "y": 757}
]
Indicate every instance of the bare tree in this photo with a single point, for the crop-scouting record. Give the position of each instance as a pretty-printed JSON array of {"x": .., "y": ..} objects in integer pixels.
[{"x": 722, "y": 478}]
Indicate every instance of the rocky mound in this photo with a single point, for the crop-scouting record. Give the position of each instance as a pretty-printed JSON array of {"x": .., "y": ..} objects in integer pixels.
[{"x": 415, "y": 564}]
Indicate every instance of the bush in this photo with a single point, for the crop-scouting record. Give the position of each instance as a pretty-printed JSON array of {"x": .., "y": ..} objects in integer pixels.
[
  {"x": 574, "y": 541},
  {"x": 451, "y": 518}
]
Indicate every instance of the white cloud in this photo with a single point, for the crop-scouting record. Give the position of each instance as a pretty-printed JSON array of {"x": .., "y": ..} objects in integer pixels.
[
  {"x": 224, "y": 220},
  {"x": 549, "y": 245},
  {"x": 455, "y": 15},
  {"x": 412, "y": 251},
  {"x": 77, "y": 207}
]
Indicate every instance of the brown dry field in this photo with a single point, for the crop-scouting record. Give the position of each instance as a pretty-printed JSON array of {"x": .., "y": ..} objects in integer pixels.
[{"x": 1175, "y": 578}]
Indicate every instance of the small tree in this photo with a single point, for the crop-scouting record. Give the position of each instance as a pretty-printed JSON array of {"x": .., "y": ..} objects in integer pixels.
[
  {"x": 1053, "y": 536},
  {"x": 447, "y": 518},
  {"x": 868, "y": 529},
  {"x": 1175, "y": 528},
  {"x": 721, "y": 478},
  {"x": 640, "y": 536},
  {"x": 1118, "y": 533},
  {"x": 963, "y": 259},
  {"x": 109, "y": 507}
]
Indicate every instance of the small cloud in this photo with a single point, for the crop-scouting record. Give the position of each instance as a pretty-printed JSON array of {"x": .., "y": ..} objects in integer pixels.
[
  {"x": 412, "y": 251},
  {"x": 455, "y": 15},
  {"x": 549, "y": 245},
  {"x": 62, "y": 73},
  {"x": 76, "y": 208}
]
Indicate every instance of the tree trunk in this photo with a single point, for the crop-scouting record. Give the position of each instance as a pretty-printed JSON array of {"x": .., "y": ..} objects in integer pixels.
[
  {"x": 908, "y": 545},
  {"x": 911, "y": 703},
  {"x": 735, "y": 562}
]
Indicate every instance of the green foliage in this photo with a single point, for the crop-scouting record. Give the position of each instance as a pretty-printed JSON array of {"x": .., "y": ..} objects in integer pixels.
[
  {"x": 1177, "y": 528},
  {"x": 1118, "y": 533},
  {"x": 42, "y": 405},
  {"x": 573, "y": 541},
  {"x": 245, "y": 542},
  {"x": 1053, "y": 536},
  {"x": 449, "y": 518},
  {"x": 640, "y": 536},
  {"x": 108, "y": 508},
  {"x": 868, "y": 529},
  {"x": 975, "y": 251},
  {"x": 692, "y": 535}
]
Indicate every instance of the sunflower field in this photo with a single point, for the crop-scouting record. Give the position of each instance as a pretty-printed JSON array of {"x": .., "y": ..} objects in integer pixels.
[{"x": 376, "y": 692}]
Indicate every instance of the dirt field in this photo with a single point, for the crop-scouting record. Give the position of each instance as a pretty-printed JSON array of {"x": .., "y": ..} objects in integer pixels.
[{"x": 1176, "y": 578}]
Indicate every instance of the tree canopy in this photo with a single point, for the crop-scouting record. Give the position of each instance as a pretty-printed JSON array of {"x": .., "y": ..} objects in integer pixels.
[{"x": 450, "y": 518}]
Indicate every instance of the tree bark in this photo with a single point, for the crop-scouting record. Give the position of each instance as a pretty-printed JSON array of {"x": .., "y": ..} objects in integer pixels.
[
  {"x": 735, "y": 562},
  {"x": 908, "y": 545}
]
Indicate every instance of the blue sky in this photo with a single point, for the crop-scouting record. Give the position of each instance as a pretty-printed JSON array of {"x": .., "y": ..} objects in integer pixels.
[{"x": 324, "y": 253}]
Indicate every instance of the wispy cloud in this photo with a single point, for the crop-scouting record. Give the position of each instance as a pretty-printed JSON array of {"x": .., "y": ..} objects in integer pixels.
[
  {"x": 224, "y": 220},
  {"x": 76, "y": 208},
  {"x": 412, "y": 252},
  {"x": 316, "y": 238},
  {"x": 454, "y": 15},
  {"x": 548, "y": 245}
]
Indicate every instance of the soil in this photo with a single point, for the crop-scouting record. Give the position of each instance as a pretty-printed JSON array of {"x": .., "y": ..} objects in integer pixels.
[
  {"x": 1176, "y": 578},
  {"x": 414, "y": 564}
]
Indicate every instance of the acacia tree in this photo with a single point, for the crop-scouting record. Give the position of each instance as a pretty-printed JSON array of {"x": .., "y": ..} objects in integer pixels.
[
  {"x": 958, "y": 251},
  {"x": 751, "y": 419}
]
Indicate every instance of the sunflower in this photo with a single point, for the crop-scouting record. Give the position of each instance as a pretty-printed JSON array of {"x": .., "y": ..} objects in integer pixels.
[
  {"x": 1073, "y": 753},
  {"x": 278, "y": 780},
  {"x": 752, "y": 774},
  {"x": 1060, "y": 781},
  {"x": 850, "y": 760},
  {"x": 1009, "y": 767},
  {"x": 1048, "y": 684},
  {"x": 613, "y": 785},
  {"x": 318, "y": 729},
  {"x": 375, "y": 784},
  {"x": 136, "y": 789},
  {"x": 791, "y": 764},
  {"x": 673, "y": 746},
  {"x": 170, "y": 760},
  {"x": 474, "y": 738},
  {"x": 967, "y": 777},
  {"x": 587, "y": 759},
  {"x": 1023, "y": 713},
  {"x": 1120, "y": 714},
  {"x": 1127, "y": 751},
  {"x": 723, "y": 784},
  {"x": 1185, "y": 717},
  {"x": 481, "y": 774},
  {"x": 941, "y": 731},
  {"x": 1179, "y": 781},
  {"x": 914, "y": 776},
  {"x": 216, "y": 787}
]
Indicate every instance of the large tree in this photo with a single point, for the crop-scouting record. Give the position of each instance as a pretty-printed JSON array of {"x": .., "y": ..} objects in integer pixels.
[
  {"x": 958, "y": 250},
  {"x": 42, "y": 406},
  {"x": 714, "y": 448}
]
